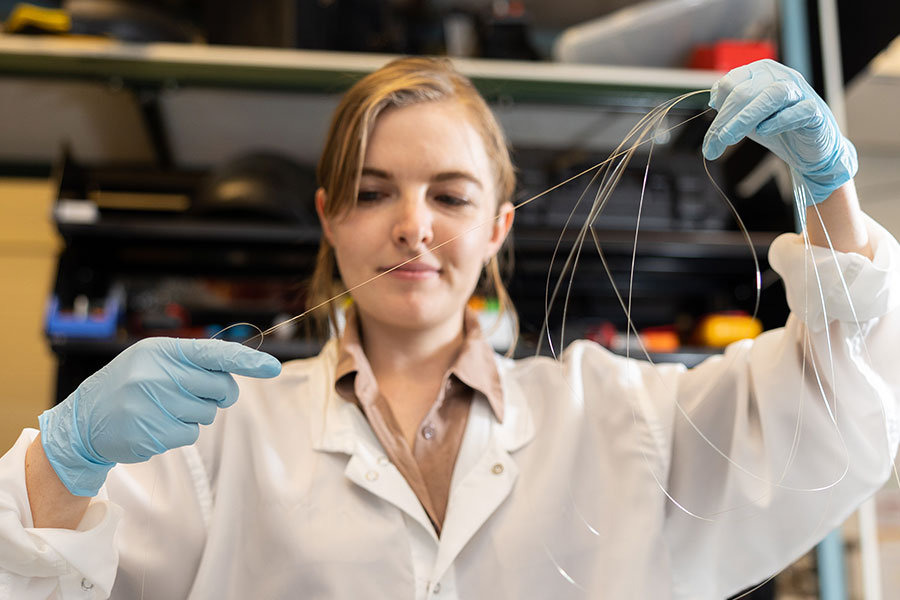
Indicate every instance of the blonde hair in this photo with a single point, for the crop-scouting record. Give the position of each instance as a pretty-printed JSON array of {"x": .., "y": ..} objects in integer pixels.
[{"x": 402, "y": 82}]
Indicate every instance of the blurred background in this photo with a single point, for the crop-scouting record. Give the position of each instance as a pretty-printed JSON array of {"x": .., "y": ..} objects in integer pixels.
[{"x": 157, "y": 160}]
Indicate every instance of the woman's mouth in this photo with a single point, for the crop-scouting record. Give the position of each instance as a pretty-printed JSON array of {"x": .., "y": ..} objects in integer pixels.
[{"x": 415, "y": 270}]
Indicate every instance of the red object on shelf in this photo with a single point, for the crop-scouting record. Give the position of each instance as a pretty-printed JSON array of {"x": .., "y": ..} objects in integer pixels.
[
  {"x": 604, "y": 333},
  {"x": 725, "y": 55}
]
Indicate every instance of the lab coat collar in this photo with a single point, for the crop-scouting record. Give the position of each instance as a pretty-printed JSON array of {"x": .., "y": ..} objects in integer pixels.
[
  {"x": 480, "y": 492},
  {"x": 343, "y": 423},
  {"x": 344, "y": 429},
  {"x": 517, "y": 428},
  {"x": 339, "y": 429},
  {"x": 469, "y": 366}
]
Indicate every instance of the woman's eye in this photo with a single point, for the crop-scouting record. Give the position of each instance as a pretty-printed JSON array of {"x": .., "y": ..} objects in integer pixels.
[
  {"x": 451, "y": 200},
  {"x": 368, "y": 196}
]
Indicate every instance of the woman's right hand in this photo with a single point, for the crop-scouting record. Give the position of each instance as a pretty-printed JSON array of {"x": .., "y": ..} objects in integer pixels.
[{"x": 149, "y": 399}]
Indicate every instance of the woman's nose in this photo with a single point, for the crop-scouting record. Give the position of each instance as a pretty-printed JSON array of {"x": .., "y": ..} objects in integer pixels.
[{"x": 413, "y": 227}]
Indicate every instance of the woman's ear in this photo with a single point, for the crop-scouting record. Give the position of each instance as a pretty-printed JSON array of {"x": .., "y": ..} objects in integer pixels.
[
  {"x": 502, "y": 224},
  {"x": 321, "y": 198}
]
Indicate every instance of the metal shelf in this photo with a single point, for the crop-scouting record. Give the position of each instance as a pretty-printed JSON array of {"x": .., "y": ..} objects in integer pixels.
[
  {"x": 191, "y": 105},
  {"x": 690, "y": 356},
  {"x": 681, "y": 244},
  {"x": 330, "y": 72},
  {"x": 187, "y": 229},
  {"x": 107, "y": 348},
  {"x": 678, "y": 244}
]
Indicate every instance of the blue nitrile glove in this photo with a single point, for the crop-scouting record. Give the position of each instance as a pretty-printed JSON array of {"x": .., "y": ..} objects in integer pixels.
[
  {"x": 774, "y": 106},
  {"x": 149, "y": 399}
]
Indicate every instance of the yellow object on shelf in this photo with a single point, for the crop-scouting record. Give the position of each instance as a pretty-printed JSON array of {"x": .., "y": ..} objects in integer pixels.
[
  {"x": 49, "y": 20},
  {"x": 721, "y": 329}
]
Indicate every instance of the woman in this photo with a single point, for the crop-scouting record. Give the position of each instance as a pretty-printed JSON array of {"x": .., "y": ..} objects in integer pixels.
[{"x": 407, "y": 461}]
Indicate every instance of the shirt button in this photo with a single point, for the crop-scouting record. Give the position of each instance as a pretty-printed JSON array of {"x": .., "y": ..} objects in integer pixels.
[
  {"x": 86, "y": 585},
  {"x": 497, "y": 468},
  {"x": 436, "y": 589},
  {"x": 372, "y": 475},
  {"x": 428, "y": 432}
]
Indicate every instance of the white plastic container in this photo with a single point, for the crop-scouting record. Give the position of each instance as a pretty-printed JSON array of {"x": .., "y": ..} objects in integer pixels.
[{"x": 662, "y": 33}]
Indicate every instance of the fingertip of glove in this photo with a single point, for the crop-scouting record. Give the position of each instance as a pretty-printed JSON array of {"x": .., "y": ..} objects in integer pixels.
[
  {"x": 255, "y": 363},
  {"x": 232, "y": 357},
  {"x": 710, "y": 149},
  {"x": 227, "y": 402},
  {"x": 269, "y": 366}
]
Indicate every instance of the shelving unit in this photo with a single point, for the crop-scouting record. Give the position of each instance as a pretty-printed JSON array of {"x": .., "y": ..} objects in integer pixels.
[
  {"x": 331, "y": 72},
  {"x": 171, "y": 107},
  {"x": 193, "y": 105}
]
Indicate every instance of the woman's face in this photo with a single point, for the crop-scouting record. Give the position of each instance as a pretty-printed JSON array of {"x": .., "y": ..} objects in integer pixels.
[{"x": 426, "y": 179}]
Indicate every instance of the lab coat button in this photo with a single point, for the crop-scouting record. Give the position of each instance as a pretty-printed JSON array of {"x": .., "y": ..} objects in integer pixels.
[
  {"x": 428, "y": 432},
  {"x": 436, "y": 589},
  {"x": 372, "y": 475},
  {"x": 86, "y": 585},
  {"x": 497, "y": 468},
  {"x": 383, "y": 461}
]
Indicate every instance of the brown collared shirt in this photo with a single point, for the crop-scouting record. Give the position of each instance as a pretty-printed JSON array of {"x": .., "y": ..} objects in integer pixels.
[{"x": 428, "y": 465}]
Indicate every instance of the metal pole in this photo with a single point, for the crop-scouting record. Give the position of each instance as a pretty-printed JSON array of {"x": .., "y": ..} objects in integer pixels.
[
  {"x": 831, "y": 61},
  {"x": 834, "y": 96},
  {"x": 795, "y": 36}
]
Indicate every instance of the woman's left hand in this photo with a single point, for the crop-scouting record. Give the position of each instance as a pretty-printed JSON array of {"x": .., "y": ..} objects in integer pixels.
[{"x": 774, "y": 106}]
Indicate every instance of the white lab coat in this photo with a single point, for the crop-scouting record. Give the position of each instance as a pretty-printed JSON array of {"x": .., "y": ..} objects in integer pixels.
[{"x": 594, "y": 486}]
